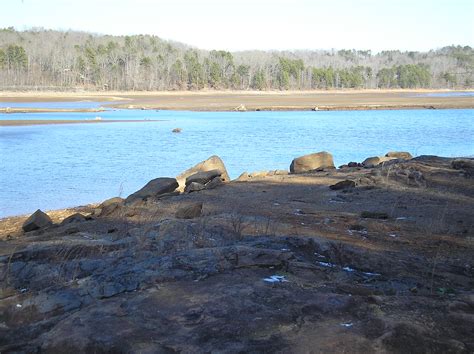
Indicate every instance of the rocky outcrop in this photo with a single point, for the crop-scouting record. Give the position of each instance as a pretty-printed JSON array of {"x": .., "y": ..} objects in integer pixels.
[
  {"x": 109, "y": 206},
  {"x": 37, "y": 220},
  {"x": 155, "y": 188},
  {"x": 212, "y": 163},
  {"x": 402, "y": 155},
  {"x": 190, "y": 211},
  {"x": 312, "y": 162}
]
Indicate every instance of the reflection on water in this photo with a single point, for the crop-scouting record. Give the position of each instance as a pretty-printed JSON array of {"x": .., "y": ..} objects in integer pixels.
[{"x": 55, "y": 166}]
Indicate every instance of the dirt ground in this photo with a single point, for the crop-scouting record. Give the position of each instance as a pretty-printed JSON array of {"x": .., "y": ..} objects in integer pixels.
[{"x": 140, "y": 280}]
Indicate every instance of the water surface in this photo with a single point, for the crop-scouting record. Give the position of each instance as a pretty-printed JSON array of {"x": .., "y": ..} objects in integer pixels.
[{"x": 56, "y": 166}]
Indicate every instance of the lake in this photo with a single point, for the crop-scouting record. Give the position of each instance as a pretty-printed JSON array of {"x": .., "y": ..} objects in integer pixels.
[{"x": 57, "y": 166}]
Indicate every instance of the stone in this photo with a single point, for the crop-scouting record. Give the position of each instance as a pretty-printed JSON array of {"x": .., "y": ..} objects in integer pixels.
[
  {"x": 203, "y": 177},
  {"x": 74, "y": 218},
  {"x": 346, "y": 184},
  {"x": 376, "y": 160},
  {"x": 402, "y": 155},
  {"x": 154, "y": 188},
  {"x": 354, "y": 164},
  {"x": 109, "y": 205},
  {"x": 212, "y": 163},
  {"x": 312, "y": 162},
  {"x": 177, "y": 130},
  {"x": 190, "y": 211},
  {"x": 194, "y": 187},
  {"x": 37, "y": 220},
  {"x": 216, "y": 182}
]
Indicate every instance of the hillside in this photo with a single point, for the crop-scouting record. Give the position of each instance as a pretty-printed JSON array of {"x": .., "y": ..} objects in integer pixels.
[{"x": 53, "y": 60}]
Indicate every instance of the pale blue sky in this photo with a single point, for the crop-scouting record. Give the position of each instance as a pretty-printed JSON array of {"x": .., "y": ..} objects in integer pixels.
[{"x": 260, "y": 24}]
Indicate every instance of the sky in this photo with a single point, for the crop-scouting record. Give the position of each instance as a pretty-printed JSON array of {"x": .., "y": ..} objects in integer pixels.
[{"x": 234, "y": 25}]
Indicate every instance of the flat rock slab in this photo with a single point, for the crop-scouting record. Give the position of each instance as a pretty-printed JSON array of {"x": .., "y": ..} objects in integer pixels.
[{"x": 346, "y": 184}]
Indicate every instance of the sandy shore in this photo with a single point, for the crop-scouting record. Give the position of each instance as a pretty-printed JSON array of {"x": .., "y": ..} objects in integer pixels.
[{"x": 254, "y": 100}]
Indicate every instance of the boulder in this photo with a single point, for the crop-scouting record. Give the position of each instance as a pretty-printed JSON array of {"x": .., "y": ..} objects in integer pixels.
[
  {"x": 74, "y": 218},
  {"x": 354, "y": 164},
  {"x": 190, "y": 211},
  {"x": 110, "y": 205},
  {"x": 212, "y": 163},
  {"x": 216, "y": 182},
  {"x": 37, "y": 220},
  {"x": 403, "y": 155},
  {"x": 176, "y": 130},
  {"x": 155, "y": 188},
  {"x": 376, "y": 160},
  {"x": 346, "y": 184},
  {"x": 203, "y": 177},
  {"x": 311, "y": 162},
  {"x": 194, "y": 187}
]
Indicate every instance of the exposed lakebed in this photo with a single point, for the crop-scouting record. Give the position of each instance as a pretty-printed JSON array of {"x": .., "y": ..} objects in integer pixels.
[{"x": 55, "y": 166}]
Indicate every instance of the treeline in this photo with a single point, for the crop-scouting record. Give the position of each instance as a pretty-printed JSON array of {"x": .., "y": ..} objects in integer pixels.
[{"x": 42, "y": 59}]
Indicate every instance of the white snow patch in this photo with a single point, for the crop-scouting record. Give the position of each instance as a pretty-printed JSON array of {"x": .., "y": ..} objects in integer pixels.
[{"x": 275, "y": 279}]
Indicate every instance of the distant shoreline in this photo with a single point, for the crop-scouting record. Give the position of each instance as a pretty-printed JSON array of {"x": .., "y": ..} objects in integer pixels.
[{"x": 243, "y": 100}]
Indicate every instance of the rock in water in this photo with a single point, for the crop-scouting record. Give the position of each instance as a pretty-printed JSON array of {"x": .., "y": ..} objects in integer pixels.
[
  {"x": 311, "y": 162},
  {"x": 212, "y": 163},
  {"x": 154, "y": 188},
  {"x": 176, "y": 130},
  {"x": 37, "y": 220},
  {"x": 346, "y": 184},
  {"x": 203, "y": 177},
  {"x": 403, "y": 155},
  {"x": 191, "y": 211}
]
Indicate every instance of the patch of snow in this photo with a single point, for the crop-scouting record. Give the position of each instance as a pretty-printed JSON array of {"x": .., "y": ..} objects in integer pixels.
[
  {"x": 371, "y": 274},
  {"x": 347, "y": 324},
  {"x": 348, "y": 269},
  {"x": 325, "y": 264},
  {"x": 18, "y": 305}
]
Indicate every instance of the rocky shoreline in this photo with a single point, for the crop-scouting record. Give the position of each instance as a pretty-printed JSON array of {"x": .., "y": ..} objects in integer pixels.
[{"x": 373, "y": 256}]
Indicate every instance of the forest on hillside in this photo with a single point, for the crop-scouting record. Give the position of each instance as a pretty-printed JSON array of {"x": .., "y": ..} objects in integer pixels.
[{"x": 40, "y": 59}]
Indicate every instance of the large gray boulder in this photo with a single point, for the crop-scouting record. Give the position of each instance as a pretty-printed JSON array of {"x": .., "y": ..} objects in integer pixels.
[
  {"x": 154, "y": 188},
  {"x": 37, "y": 220},
  {"x": 212, "y": 163},
  {"x": 311, "y": 162},
  {"x": 402, "y": 155}
]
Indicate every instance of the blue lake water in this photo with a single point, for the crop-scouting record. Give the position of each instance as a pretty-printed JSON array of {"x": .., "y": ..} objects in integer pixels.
[
  {"x": 56, "y": 166},
  {"x": 54, "y": 105}
]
